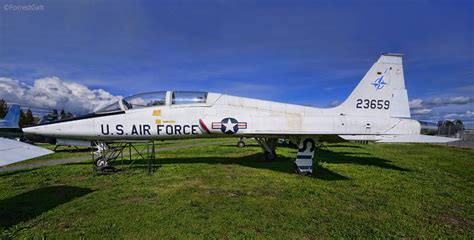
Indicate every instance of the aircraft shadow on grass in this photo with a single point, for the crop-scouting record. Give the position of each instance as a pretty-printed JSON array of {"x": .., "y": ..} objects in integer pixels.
[
  {"x": 352, "y": 158},
  {"x": 73, "y": 150},
  {"x": 282, "y": 164},
  {"x": 28, "y": 205}
]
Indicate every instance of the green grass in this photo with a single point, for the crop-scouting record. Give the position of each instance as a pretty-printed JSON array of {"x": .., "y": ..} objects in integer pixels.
[
  {"x": 64, "y": 152},
  {"x": 375, "y": 190}
]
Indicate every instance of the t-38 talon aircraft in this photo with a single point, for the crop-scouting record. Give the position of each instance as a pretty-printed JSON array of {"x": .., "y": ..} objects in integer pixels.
[{"x": 377, "y": 110}]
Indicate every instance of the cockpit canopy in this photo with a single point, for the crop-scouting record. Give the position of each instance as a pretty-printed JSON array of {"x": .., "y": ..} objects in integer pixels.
[
  {"x": 184, "y": 97},
  {"x": 151, "y": 99},
  {"x": 145, "y": 100}
]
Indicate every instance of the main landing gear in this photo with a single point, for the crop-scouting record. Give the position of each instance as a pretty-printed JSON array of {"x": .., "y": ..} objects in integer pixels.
[
  {"x": 241, "y": 143},
  {"x": 268, "y": 145},
  {"x": 304, "y": 157}
]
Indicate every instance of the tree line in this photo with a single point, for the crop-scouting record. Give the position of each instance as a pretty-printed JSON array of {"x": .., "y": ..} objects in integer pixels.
[{"x": 27, "y": 118}]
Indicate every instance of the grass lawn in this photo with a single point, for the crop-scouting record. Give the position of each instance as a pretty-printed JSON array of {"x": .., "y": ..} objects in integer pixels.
[
  {"x": 375, "y": 190},
  {"x": 64, "y": 152}
]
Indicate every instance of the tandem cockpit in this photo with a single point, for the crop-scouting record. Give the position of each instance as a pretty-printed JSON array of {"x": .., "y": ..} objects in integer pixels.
[
  {"x": 145, "y": 100},
  {"x": 161, "y": 98}
]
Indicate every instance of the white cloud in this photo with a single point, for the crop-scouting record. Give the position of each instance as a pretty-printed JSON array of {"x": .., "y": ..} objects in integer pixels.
[
  {"x": 416, "y": 104},
  {"x": 452, "y": 100},
  {"x": 467, "y": 114},
  {"x": 51, "y": 92},
  {"x": 421, "y": 111},
  {"x": 437, "y": 102}
]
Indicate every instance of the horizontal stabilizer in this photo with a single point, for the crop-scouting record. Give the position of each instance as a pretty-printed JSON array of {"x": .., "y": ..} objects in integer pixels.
[
  {"x": 12, "y": 151},
  {"x": 415, "y": 138}
]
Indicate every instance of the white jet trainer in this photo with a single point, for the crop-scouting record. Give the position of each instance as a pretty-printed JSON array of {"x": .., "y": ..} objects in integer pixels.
[{"x": 377, "y": 110}]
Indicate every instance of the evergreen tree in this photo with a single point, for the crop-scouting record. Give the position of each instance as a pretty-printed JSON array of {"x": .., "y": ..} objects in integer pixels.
[
  {"x": 21, "y": 122},
  {"x": 29, "y": 119},
  {"x": 3, "y": 108},
  {"x": 62, "y": 114},
  {"x": 54, "y": 115}
]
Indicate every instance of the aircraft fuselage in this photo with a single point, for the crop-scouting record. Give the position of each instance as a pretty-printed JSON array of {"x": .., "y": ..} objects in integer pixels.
[{"x": 222, "y": 116}]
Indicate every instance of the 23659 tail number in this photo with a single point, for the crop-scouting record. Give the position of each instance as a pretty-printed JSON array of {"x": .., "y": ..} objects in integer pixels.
[{"x": 373, "y": 104}]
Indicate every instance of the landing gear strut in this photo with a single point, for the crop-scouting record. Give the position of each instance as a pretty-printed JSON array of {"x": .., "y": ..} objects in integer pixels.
[{"x": 268, "y": 145}]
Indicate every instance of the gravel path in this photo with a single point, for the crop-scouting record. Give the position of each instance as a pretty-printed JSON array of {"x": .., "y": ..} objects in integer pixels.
[{"x": 81, "y": 159}]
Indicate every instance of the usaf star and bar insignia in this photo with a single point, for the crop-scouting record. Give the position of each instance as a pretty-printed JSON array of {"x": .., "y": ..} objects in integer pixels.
[{"x": 229, "y": 125}]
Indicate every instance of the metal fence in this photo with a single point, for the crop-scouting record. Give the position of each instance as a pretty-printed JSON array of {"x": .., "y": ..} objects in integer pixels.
[{"x": 466, "y": 135}]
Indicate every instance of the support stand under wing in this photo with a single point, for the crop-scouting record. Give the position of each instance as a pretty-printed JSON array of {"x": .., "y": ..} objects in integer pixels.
[{"x": 304, "y": 157}]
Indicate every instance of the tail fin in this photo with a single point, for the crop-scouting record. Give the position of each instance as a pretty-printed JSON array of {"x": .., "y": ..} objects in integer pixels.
[
  {"x": 12, "y": 118},
  {"x": 381, "y": 92}
]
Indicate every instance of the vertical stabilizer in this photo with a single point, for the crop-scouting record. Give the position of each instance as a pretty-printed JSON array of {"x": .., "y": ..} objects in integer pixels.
[
  {"x": 381, "y": 92},
  {"x": 12, "y": 118}
]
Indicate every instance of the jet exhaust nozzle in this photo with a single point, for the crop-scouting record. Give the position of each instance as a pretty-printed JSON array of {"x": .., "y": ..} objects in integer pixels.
[{"x": 428, "y": 128}]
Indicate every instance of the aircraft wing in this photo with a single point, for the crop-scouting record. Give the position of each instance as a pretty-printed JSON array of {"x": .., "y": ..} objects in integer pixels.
[
  {"x": 12, "y": 151},
  {"x": 291, "y": 133},
  {"x": 415, "y": 138},
  {"x": 412, "y": 138}
]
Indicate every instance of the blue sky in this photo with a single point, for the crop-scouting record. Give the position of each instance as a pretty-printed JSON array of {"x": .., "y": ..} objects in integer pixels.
[{"x": 303, "y": 52}]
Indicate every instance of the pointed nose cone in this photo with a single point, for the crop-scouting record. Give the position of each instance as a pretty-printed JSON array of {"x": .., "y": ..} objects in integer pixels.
[
  {"x": 49, "y": 130},
  {"x": 36, "y": 130},
  {"x": 68, "y": 129}
]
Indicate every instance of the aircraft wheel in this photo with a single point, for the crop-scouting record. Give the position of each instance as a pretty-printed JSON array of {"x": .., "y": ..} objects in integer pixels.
[
  {"x": 240, "y": 144},
  {"x": 270, "y": 156},
  {"x": 100, "y": 162}
]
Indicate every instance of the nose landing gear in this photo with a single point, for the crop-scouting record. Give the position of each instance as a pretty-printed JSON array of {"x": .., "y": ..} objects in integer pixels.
[{"x": 107, "y": 153}]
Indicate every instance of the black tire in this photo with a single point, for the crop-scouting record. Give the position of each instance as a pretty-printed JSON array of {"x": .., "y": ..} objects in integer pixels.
[
  {"x": 240, "y": 144},
  {"x": 270, "y": 156},
  {"x": 100, "y": 162}
]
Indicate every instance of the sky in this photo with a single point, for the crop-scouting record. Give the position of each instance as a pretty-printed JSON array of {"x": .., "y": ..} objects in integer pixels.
[{"x": 81, "y": 55}]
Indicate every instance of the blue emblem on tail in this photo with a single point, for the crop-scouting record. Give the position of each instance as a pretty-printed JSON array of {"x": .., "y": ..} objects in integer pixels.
[{"x": 379, "y": 83}]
